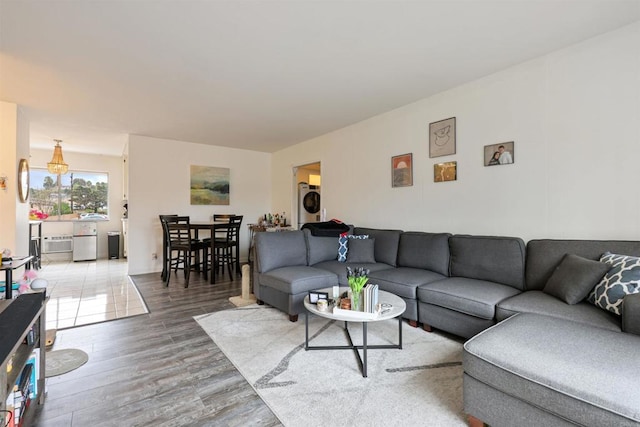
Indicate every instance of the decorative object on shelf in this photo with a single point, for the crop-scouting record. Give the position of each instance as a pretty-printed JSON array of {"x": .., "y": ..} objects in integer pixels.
[
  {"x": 35, "y": 214},
  {"x": 25, "y": 281},
  {"x": 402, "y": 170},
  {"x": 23, "y": 180},
  {"x": 209, "y": 185},
  {"x": 5, "y": 255},
  {"x": 447, "y": 171},
  {"x": 57, "y": 165},
  {"x": 357, "y": 278},
  {"x": 499, "y": 154},
  {"x": 442, "y": 137}
]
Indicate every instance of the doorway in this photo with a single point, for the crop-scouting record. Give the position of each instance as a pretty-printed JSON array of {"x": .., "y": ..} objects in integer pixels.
[{"x": 308, "y": 195}]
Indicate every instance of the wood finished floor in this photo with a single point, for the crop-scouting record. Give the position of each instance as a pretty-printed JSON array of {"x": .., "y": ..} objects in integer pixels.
[{"x": 156, "y": 369}]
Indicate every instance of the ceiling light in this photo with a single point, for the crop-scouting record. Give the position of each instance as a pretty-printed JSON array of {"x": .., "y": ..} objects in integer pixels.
[{"x": 57, "y": 165}]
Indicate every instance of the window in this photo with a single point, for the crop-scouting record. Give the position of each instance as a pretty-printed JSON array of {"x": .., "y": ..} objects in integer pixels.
[{"x": 75, "y": 195}]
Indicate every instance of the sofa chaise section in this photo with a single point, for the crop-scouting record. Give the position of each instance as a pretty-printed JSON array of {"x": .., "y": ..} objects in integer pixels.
[
  {"x": 533, "y": 370},
  {"x": 284, "y": 277},
  {"x": 483, "y": 270}
]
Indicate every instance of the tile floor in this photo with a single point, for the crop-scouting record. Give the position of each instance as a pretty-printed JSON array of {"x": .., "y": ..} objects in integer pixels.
[{"x": 87, "y": 292}]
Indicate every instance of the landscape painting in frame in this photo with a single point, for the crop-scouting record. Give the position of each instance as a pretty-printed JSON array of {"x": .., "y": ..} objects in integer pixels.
[
  {"x": 402, "y": 170},
  {"x": 442, "y": 137},
  {"x": 499, "y": 154},
  {"x": 209, "y": 185},
  {"x": 447, "y": 171}
]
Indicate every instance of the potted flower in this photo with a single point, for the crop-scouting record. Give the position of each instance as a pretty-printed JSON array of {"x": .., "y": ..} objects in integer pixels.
[{"x": 357, "y": 278}]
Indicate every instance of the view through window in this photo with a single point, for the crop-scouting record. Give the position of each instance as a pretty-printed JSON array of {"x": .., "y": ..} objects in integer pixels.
[{"x": 74, "y": 195}]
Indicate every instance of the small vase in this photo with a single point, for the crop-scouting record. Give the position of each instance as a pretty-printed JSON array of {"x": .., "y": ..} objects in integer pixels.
[{"x": 356, "y": 301}]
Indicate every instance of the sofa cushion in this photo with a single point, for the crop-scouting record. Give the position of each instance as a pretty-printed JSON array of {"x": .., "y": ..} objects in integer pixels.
[
  {"x": 294, "y": 280},
  {"x": 387, "y": 241},
  {"x": 429, "y": 251},
  {"x": 320, "y": 248},
  {"x": 361, "y": 251},
  {"x": 538, "y": 302},
  {"x": 343, "y": 245},
  {"x": 469, "y": 296},
  {"x": 495, "y": 259},
  {"x": 566, "y": 368},
  {"x": 284, "y": 249},
  {"x": 403, "y": 281},
  {"x": 340, "y": 268},
  {"x": 574, "y": 278},
  {"x": 621, "y": 280},
  {"x": 543, "y": 256}
]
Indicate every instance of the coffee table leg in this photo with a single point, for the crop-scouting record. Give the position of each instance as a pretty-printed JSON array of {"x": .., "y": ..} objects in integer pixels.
[
  {"x": 306, "y": 330},
  {"x": 400, "y": 332},
  {"x": 364, "y": 349}
]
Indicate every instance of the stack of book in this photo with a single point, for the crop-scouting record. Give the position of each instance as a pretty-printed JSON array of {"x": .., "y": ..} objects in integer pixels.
[
  {"x": 370, "y": 293},
  {"x": 24, "y": 390}
]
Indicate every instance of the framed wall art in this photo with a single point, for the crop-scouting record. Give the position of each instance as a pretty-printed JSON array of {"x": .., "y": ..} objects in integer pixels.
[
  {"x": 442, "y": 137},
  {"x": 209, "y": 185},
  {"x": 499, "y": 154},
  {"x": 402, "y": 170},
  {"x": 447, "y": 171}
]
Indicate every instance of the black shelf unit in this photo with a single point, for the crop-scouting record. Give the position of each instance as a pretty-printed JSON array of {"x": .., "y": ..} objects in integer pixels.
[{"x": 17, "y": 318}]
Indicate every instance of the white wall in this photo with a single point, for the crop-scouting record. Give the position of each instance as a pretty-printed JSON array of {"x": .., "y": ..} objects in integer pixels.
[
  {"x": 112, "y": 165},
  {"x": 159, "y": 182},
  {"x": 14, "y": 145},
  {"x": 574, "y": 116}
]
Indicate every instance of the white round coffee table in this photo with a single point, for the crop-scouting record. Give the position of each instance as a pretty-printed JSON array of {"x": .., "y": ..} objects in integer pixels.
[{"x": 392, "y": 307}]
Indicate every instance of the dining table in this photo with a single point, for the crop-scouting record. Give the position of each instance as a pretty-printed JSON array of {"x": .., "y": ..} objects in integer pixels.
[{"x": 213, "y": 227}]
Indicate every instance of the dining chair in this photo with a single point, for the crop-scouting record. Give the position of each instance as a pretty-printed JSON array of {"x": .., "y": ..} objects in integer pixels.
[
  {"x": 182, "y": 248},
  {"x": 227, "y": 247},
  {"x": 165, "y": 244}
]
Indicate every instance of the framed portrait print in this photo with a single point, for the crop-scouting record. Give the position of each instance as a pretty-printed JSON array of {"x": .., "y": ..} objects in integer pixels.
[
  {"x": 447, "y": 171},
  {"x": 402, "y": 170},
  {"x": 442, "y": 137},
  {"x": 499, "y": 154}
]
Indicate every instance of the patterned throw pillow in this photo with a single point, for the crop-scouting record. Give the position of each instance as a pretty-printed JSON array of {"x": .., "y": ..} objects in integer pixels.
[
  {"x": 623, "y": 278},
  {"x": 343, "y": 244}
]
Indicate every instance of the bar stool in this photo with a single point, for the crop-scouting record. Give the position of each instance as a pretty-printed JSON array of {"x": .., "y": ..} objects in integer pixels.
[
  {"x": 182, "y": 247},
  {"x": 227, "y": 247}
]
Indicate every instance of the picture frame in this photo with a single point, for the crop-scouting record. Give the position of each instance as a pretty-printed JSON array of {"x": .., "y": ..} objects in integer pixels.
[
  {"x": 209, "y": 185},
  {"x": 442, "y": 137},
  {"x": 499, "y": 154},
  {"x": 315, "y": 296},
  {"x": 447, "y": 171},
  {"x": 402, "y": 170}
]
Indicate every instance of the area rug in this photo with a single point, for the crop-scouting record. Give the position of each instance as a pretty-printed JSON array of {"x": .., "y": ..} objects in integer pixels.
[
  {"x": 60, "y": 362},
  {"x": 420, "y": 384}
]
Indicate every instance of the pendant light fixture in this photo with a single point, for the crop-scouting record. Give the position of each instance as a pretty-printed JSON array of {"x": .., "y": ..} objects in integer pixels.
[{"x": 57, "y": 165}]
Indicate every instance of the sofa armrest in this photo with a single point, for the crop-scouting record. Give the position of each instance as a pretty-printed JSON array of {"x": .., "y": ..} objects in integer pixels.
[{"x": 631, "y": 314}]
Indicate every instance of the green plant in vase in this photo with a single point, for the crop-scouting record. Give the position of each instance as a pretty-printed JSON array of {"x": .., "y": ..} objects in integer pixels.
[{"x": 357, "y": 278}]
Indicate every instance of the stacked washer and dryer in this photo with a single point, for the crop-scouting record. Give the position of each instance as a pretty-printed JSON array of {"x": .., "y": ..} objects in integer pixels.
[{"x": 308, "y": 203}]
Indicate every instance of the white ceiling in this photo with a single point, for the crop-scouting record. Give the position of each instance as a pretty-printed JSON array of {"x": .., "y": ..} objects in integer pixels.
[{"x": 261, "y": 75}]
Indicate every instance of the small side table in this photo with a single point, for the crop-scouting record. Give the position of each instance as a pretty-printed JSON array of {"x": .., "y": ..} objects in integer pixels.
[
  {"x": 35, "y": 244},
  {"x": 8, "y": 273}
]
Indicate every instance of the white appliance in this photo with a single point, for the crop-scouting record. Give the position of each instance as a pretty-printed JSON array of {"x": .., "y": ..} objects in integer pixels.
[
  {"x": 85, "y": 241},
  {"x": 308, "y": 203}
]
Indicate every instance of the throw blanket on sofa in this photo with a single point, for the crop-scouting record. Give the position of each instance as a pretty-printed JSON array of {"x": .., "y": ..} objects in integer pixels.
[{"x": 333, "y": 228}]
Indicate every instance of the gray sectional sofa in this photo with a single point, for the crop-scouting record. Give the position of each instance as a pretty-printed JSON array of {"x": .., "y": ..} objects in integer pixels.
[{"x": 532, "y": 359}]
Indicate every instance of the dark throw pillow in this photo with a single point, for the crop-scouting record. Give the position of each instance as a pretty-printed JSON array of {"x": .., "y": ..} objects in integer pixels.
[
  {"x": 361, "y": 250},
  {"x": 574, "y": 278}
]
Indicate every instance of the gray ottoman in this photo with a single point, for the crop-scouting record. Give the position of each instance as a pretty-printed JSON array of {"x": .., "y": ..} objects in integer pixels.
[{"x": 537, "y": 370}]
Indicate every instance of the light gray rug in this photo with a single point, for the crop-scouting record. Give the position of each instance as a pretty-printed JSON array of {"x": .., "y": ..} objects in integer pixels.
[
  {"x": 418, "y": 385},
  {"x": 60, "y": 362}
]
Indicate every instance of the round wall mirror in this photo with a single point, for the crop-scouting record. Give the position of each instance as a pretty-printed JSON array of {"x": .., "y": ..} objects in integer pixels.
[{"x": 23, "y": 180}]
